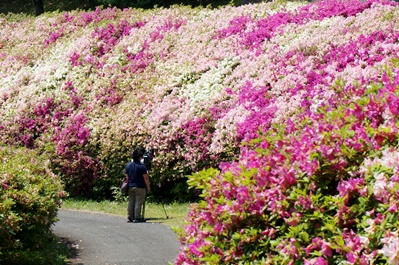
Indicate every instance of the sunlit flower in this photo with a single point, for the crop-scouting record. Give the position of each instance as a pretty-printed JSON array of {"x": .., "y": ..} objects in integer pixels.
[{"x": 391, "y": 247}]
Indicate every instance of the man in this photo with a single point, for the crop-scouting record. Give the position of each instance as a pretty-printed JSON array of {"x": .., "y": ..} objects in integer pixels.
[{"x": 139, "y": 185}]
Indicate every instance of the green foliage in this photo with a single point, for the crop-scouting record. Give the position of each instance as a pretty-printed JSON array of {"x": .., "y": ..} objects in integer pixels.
[
  {"x": 114, "y": 161},
  {"x": 17, "y": 10},
  {"x": 27, "y": 7},
  {"x": 30, "y": 196},
  {"x": 173, "y": 191},
  {"x": 128, "y": 3},
  {"x": 118, "y": 194},
  {"x": 50, "y": 250}
]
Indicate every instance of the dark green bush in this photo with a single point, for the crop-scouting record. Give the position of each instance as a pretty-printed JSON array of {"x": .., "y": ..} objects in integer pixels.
[{"x": 30, "y": 196}]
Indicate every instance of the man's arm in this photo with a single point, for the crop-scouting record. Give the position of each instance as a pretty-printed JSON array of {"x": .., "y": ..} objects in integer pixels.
[{"x": 147, "y": 182}]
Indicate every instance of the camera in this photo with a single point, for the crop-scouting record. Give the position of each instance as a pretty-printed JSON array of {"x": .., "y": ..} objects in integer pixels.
[{"x": 147, "y": 157}]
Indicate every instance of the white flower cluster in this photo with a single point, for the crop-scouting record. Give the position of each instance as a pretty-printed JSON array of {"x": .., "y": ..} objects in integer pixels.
[
  {"x": 208, "y": 85},
  {"x": 389, "y": 159},
  {"x": 391, "y": 247},
  {"x": 381, "y": 169}
]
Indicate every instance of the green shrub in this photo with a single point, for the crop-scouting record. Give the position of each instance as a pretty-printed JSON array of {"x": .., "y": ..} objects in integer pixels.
[{"x": 30, "y": 196}]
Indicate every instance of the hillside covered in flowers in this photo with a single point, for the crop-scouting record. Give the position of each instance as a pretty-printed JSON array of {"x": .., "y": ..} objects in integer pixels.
[{"x": 284, "y": 114}]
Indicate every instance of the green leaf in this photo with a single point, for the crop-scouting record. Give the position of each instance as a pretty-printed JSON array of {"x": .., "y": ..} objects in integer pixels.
[{"x": 304, "y": 236}]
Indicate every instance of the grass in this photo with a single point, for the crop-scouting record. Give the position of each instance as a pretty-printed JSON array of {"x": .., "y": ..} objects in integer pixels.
[{"x": 171, "y": 215}]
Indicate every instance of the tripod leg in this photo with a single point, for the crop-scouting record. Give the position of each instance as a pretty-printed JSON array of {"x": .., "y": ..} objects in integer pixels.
[
  {"x": 165, "y": 211},
  {"x": 143, "y": 210}
]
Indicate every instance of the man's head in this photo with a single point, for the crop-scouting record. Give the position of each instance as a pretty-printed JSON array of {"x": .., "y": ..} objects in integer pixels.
[{"x": 138, "y": 153}]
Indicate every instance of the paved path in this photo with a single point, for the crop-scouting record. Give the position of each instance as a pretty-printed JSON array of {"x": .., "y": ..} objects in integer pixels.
[{"x": 103, "y": 239}]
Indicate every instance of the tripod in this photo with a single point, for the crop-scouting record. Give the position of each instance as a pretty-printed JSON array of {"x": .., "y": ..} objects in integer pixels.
[{"x": 143, "y": 210}]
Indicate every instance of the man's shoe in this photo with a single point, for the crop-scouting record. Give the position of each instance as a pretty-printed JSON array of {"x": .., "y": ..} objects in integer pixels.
[
  {"x": 142, "y": 220},
  {"x": 130, "y": 220}
]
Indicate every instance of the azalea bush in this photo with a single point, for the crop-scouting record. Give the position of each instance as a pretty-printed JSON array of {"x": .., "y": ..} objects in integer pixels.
[
  {"x": 282, "y": 114},
  {"x": 322, "y": 189},
  {"x": 87, "y": 87},
  {"x": 320, "y": 186},
  {"x": 30, "y": 196}
]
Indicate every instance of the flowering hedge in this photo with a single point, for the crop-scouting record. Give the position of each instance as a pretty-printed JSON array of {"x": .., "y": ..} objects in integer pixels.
[
  {"x": 322, "y": 189},
  {"x": 30, "y": 196},
  {"x": 295, "y": 103},
  {"x": 316, "y": 183}
]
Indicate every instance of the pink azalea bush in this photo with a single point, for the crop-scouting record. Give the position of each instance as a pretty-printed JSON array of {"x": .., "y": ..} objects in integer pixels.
[
  {"x": 322, "y": 189},
  {"x": 321, "y": 186},
  {"x": 284, "y": 113}
]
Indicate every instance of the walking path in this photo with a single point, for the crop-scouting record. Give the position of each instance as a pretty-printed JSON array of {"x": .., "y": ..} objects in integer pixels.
[{"x": 103, "y": 239}]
